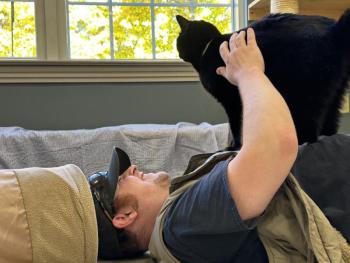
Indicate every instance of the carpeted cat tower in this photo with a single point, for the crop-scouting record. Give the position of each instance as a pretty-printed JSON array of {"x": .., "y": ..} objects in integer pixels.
[{"x": 284, "y": 6}]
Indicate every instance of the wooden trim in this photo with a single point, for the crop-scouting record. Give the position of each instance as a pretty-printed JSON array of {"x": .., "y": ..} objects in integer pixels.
[
  {"x": 257, "y": 13},
  {"x": 62, "y": 30},
  {"x": 259, "y": 4},
  {"x": 332, "y": 13},
  {"x": 96, "y": 71},
  {"x": 51, "y": 31},
  {"x": 40, "y": 29},
  {"x": 329, "y": 8}
]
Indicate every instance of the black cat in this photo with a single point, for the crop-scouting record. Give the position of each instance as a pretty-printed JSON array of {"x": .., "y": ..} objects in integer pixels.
[{"x": 307, "y": 58}]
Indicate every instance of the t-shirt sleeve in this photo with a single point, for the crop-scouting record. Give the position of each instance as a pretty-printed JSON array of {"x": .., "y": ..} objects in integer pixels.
[{"x": 204, "y": 217}]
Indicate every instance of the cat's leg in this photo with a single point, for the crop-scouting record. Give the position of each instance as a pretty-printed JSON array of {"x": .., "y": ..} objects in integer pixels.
[
  {"x": 230, "y": 99},
  {"x": 331, "y": 123},
  {"x": 235, "y": 120},
  {"x": 307, "y": 124}
]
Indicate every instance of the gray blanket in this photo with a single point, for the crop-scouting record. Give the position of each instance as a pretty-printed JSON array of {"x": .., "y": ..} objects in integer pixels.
[{"x": 152, "y": 147}]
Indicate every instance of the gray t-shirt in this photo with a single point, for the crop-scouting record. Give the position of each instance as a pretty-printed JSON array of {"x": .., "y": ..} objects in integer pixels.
[{"x": 203, "y": 225}]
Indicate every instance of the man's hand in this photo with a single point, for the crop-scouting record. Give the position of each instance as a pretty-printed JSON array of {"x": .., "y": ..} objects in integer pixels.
[{"x": 241, "y": 58}]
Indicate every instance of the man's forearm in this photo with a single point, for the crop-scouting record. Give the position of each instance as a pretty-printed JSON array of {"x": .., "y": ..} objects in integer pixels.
[
  {"x": 269, "y": 146},
  {"x": 266, "y": 118}
]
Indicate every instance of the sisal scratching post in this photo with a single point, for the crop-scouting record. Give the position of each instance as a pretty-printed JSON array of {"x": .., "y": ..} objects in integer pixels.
[{"x": 284, "y": 6}]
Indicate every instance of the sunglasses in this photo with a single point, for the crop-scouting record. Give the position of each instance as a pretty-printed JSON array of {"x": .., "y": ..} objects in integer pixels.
[{"x": 100, "y": 189}]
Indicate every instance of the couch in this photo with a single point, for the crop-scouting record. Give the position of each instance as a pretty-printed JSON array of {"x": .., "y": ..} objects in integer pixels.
[{"x": 151, "y": 146}]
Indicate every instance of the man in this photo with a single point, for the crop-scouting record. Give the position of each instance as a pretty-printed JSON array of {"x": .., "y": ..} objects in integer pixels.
[{"x": 212, "y": 216}]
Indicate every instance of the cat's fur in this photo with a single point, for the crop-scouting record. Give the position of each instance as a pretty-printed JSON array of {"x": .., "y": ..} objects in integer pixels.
[{"x": 307, "y": 58}]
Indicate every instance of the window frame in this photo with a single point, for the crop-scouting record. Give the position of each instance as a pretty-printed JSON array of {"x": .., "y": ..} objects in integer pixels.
[{"x": 54, "y": 66}]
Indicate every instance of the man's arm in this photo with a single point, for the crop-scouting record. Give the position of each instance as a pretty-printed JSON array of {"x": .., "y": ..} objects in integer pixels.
[{"x": 269, "y": 137}]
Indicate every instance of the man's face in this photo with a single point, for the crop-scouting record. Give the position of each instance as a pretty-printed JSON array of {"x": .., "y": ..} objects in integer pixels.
[{"x": 135, "y": 182}]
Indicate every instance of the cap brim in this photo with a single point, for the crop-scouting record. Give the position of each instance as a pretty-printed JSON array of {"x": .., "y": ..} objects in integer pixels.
[{"x": 120, "y": 162}]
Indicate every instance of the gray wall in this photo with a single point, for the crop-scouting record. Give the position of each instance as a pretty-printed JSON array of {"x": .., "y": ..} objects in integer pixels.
[
  {"x": 345, "y": 124},
  {"x": 76, "y": 106}
]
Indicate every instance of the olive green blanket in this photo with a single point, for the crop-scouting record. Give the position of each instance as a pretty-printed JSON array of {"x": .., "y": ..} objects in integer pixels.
[{"x": 60, "y": 214}]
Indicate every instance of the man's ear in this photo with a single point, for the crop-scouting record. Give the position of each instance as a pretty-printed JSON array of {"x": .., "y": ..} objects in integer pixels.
[{"x": 124, "y": 217}]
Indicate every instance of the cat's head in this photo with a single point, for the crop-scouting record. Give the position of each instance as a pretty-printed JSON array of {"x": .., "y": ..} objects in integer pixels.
[{"x": 193, "y": 38}]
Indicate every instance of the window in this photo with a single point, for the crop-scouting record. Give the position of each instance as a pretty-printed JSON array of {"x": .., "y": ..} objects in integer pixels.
[
  {"x": 102, "y": 40},
  {"x": 17, "y": 29},
  {"x": 137, "y": 29}
]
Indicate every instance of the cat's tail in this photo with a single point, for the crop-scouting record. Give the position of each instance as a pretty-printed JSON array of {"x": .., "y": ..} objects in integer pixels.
[{"x": 342, "y": 30}]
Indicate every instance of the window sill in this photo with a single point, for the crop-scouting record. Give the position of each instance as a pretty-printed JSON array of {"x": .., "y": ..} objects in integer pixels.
[{"x": 31, "y": 71}]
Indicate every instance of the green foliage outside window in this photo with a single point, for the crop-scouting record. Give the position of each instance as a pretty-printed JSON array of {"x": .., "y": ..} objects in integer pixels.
[
  {"x": 89, "y": 31},
  {"x": 132, "y": 27},
  {"x": 133, "y": 34},
  {"x": 17, "y": 29}
]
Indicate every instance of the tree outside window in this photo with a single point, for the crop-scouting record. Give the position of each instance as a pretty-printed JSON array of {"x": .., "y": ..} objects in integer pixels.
[{"x": 110, "y": 29}]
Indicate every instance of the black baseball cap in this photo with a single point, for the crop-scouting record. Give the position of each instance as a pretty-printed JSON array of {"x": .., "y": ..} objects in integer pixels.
[{"x": 103, "y": 186}]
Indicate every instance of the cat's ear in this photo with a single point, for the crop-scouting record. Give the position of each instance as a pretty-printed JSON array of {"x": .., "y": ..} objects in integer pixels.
[{"x": 183, "y": 22}]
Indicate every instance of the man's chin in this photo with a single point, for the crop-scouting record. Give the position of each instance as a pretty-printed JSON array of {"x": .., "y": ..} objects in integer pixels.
[{"x": 163, "y": 179}]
